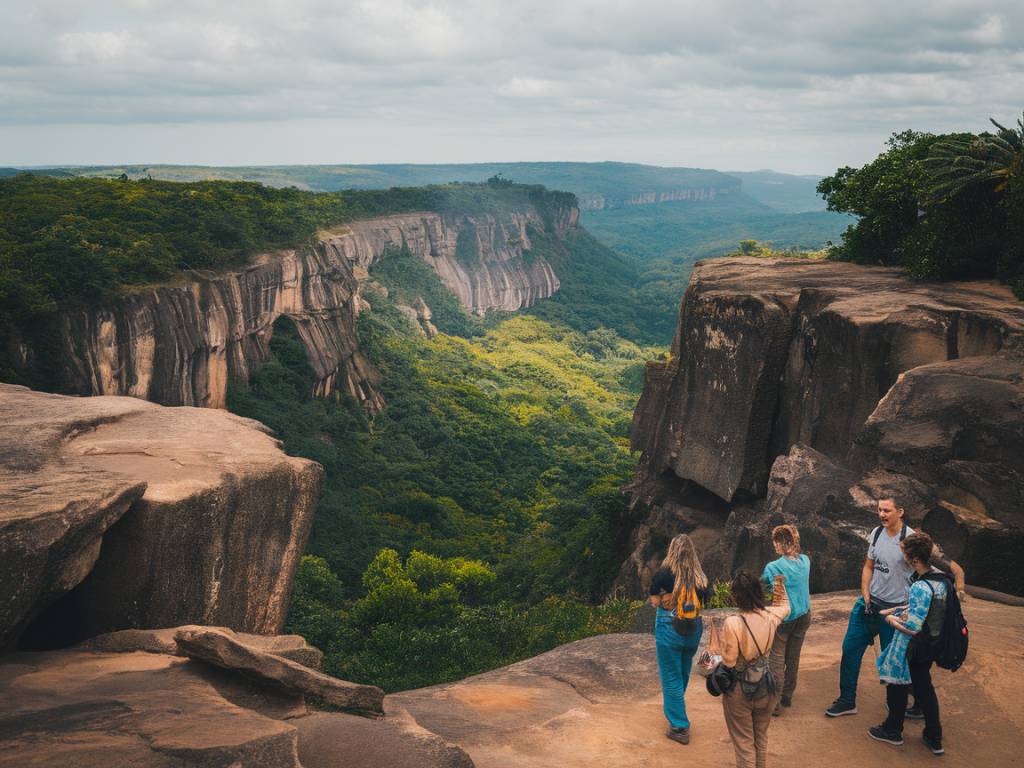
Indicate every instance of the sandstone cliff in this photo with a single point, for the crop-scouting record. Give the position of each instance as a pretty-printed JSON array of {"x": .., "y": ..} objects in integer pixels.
[
  {"x": 182, "y": 344},
  {"x": 878, "y": 384},
  {"x": 117, "y": 513}
]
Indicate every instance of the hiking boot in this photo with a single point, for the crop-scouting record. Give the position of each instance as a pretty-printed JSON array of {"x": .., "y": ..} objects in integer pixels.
[
  {"x": 915, "y": 713},
  {"x": 878, "y": 733},
  {"x": 935, "y": 745},
  {"x": 840, "y": 708},
  {"x": 786, "y": 701},
  {"x": 682, "y": 735}
]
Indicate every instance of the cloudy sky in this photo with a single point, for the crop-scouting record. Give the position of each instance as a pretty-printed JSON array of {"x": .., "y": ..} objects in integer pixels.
[{"x": 797, "y": 86}]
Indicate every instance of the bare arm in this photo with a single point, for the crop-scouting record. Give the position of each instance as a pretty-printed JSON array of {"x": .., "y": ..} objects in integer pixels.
[
  {"x": 780, "y": 598},
  {"x": 959, "y": 579},
  {"x": 865, "y": 582},
  {"x": 898, "y": 625}
]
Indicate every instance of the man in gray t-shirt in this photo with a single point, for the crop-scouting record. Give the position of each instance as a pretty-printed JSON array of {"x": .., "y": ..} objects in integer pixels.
[{"x": 884, "y": 583}]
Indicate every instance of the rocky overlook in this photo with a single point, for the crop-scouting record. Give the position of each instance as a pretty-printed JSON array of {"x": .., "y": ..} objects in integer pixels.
[
  {"x": 181, "y": 344},
  {"x": 117, "y": 513},
  {"x": 800, "y": 391}
]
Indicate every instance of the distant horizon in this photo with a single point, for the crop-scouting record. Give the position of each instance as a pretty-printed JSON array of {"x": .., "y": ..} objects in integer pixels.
[
  {"x": 803, "y": 88},
  {"x": 77, "y": 166}
]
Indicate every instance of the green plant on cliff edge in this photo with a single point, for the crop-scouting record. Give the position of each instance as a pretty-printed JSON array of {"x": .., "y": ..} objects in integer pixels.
[{"x": 944, "y": 207}]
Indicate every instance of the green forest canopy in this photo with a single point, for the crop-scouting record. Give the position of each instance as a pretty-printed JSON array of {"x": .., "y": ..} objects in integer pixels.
[{"x": 943, "y": 207}]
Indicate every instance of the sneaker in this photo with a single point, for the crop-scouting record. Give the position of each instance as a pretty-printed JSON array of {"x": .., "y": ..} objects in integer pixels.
[
  {"x": 786, "y": 701},
  {"x": 878, "y": 733},
  {"x": 915, "y": 713},
  {"x": 778, "y": 710},
  {"x": 840, "y": 708},
  {"x": 935, "y": 745},
  {"x": 682, "y": 735}
]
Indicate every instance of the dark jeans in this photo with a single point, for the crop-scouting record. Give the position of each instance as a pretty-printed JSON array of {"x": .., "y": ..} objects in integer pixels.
[
  {"x": 924, "y": 694},
  {"x": 861, "y": 632}
]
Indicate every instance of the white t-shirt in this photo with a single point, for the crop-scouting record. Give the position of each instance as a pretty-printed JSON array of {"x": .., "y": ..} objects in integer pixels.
[{"x": 890, "y": 582}]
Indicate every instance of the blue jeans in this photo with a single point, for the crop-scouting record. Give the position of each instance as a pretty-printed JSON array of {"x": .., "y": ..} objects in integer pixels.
[
  {"x": 675, "y": 657},
  {"x": 860, "y": 633}
]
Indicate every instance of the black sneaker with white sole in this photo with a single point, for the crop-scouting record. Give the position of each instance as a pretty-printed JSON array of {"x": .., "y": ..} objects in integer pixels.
[
  {"x": 878, "y": 733},
  {"x": 935, "y": 745},
  {"x": 840, "y": 708},
  {"x": 914, "y": 713}
]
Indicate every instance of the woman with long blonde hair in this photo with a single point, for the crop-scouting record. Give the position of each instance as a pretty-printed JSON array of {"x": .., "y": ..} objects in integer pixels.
[{"x": 679, "y": 590}]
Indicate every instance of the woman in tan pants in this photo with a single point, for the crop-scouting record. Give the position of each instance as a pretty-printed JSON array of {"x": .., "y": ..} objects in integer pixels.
[{"x": 746, "y": 639}]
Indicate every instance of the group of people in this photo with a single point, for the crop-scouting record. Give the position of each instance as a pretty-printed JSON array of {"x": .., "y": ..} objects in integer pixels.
[{"x": 904, "y": 588}]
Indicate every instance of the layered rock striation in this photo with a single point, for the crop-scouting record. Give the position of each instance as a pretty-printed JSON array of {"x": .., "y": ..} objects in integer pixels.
[
  {"x": 846, "y": 382},
  {"x": 182, "y": 344},
  {"x": 119, "y": 514}
]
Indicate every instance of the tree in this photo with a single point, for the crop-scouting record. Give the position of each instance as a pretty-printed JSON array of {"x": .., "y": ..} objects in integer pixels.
[{"x": 959, "y": 163}]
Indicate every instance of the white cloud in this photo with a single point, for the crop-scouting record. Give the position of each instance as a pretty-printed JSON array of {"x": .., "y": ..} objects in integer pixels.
[{"x": 803, "y": 86}]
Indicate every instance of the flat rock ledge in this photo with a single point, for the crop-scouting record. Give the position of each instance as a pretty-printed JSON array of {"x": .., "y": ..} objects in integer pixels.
[
  {"x": 291, "y": 647},
  {"x": 226, "y": 651}
]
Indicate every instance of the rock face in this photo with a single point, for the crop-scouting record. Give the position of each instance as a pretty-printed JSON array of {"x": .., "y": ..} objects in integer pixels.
[
  {"x": 182, "y": 344},
  {"x": 143, "y": 516},
  {"x": 876, "y": 383}
]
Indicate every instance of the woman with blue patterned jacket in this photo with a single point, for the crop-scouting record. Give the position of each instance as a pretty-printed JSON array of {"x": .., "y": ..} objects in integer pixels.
[{"x": 900, "y": 670}]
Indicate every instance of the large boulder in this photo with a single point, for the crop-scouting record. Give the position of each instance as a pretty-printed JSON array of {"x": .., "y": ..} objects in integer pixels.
[
  {"x": 957, "y": 430},
  {"x": 225, "y": 650},
  {"x": 291, "y": 647},
  {"x": 803, "y": 391},
  {"x": 143, "y": 516}
]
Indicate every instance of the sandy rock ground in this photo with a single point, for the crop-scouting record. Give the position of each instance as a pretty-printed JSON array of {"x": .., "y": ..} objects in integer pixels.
[{"x": 598, "y": 703}]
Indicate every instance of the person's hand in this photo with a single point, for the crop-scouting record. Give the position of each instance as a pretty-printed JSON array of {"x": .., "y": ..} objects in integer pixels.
[
  {"x": 962, "y": 595},
  {"x": 867, "y": 605},
  {"x": 890, "y": 611}
]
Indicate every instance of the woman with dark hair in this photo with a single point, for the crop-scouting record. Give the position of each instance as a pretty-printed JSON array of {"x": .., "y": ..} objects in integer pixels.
[
  {"x": 899, "y": 670},
  {"x": 746, "y": 640},
  {"x": 679, "y": 589}
]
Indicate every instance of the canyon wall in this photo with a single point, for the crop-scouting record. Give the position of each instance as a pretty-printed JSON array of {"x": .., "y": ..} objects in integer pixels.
[
  {"x": 182, "y": 344},
  {"x": 594, "y": 202},
  {"x": 796, "y": 374}
]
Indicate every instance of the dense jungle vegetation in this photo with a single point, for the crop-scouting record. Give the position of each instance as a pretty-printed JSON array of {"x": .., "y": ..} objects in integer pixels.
[
  {"x": 478, "y": 518},
  {"x": 944, "y": 207},
  {"x": 85, "y": 240}
]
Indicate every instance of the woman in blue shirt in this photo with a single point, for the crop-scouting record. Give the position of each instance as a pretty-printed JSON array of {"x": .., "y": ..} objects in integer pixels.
[
  {"x": 789, "y": 639},
  {"x": 679, "y": 589}
]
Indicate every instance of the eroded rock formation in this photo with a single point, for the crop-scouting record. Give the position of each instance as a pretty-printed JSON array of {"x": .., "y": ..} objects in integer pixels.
[
  {"x": 143, "y": 516},
  {"x": 182, "y": 344},
  {"x": 129, "y": 699},
  {"x": 853, "y": 381}
]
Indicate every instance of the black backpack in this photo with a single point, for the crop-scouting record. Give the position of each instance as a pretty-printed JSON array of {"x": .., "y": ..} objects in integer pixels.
[{"x": 948, "y": 645}]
